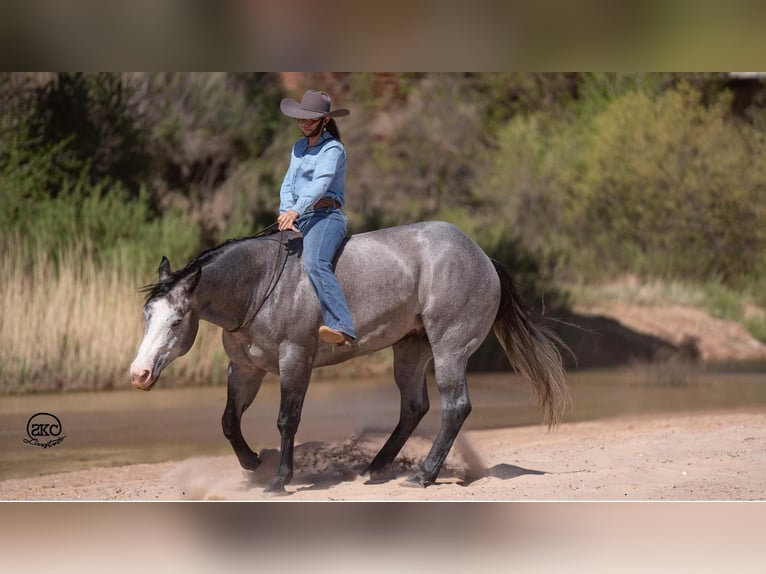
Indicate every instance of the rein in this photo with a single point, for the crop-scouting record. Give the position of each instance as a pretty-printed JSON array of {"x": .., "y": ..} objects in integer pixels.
[{"x": 275, "y": 275}]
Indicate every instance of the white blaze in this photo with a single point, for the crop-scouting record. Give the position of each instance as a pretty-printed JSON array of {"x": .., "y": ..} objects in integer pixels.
[{"x": 157, "y": 337}]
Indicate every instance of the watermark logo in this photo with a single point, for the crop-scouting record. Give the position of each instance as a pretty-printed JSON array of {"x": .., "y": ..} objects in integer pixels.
[{"x": 44, "y": 430}]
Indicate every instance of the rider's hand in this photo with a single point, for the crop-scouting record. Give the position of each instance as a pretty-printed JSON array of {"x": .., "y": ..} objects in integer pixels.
[{"x": 287, "y": 219}]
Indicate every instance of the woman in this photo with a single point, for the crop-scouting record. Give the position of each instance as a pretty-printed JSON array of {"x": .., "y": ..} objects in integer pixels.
[{"x": 311, "y": 198}]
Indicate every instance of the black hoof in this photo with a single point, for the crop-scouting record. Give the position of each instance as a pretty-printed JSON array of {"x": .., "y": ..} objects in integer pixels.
[
  {"x": 378, "y": 480},
  {"x": 250, "y": 462},
  {"x": 416, "y": 481},
  {"x": 273, "y": 492},
  {"x": 379, "y": 476},
  {"x": 276, "y": 489}
]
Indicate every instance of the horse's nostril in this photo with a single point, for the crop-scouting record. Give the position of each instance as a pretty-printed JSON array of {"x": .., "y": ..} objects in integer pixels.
[{"x": 142, "y": 378}]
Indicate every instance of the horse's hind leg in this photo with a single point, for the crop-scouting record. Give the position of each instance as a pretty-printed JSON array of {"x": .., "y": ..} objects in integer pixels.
[
  {"x": 411, "y": 357},
  {"x": 242, "y": 386},
  {"x": 449, "y": 370}
]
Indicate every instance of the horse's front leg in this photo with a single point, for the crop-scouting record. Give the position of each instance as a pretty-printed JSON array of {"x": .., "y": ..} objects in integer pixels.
[
  {"x": 242, "y": 386},
  {"x": 294, "y": 374}
]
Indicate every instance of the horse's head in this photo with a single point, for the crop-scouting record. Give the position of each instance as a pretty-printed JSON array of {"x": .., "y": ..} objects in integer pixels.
[{"x": 171, "y": 323}]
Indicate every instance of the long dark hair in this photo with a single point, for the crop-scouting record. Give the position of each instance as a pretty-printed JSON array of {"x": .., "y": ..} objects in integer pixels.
[{"x": 332, "y": 127}]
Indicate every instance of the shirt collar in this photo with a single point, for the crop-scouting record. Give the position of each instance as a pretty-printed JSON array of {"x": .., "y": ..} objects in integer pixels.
[{"x": 323, "y": 138}]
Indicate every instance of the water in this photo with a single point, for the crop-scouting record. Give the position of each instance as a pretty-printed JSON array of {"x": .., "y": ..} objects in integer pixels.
[{"x": 126, "y": 427}]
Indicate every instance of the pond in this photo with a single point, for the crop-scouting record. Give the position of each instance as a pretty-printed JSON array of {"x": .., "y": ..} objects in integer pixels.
[{"x": 128, "y": 426}]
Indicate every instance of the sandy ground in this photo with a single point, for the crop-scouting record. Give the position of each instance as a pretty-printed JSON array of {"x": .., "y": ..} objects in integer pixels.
[{"x": 706, "y": 456}]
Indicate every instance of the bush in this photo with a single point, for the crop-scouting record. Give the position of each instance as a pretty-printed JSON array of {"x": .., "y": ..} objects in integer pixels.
[
  {"x": 421, "y": 158},
  {"x": 672, "y": 187},
  {"x": 103, "y": 224},
  {"x": 524, "y": 192}
]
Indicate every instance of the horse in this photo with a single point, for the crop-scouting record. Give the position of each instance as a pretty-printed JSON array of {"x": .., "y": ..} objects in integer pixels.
[{"x": 425, "y": 289}]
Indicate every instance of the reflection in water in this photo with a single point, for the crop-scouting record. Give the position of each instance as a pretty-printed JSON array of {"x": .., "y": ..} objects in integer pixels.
[{"x": 123, "y": 427}]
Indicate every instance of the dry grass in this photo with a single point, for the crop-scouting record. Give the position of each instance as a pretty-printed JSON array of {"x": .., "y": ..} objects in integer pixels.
[
  {"x": 73, "y": 325},
  {"x": 631, "y": 289}
]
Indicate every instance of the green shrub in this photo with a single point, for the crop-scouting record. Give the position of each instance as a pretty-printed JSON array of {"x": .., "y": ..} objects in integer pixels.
[
  {"x": 524, "y": 191},
  {"x": 671, "y": 187},
  {"x": 757, "y": 327},
  {"x": 103, "y": 224}
]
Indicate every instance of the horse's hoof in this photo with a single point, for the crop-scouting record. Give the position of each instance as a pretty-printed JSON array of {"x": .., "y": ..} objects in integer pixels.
[
  {"x": 379, "y": 476},
  {"x": 276, "y": 493},
  {"x": 250, "y": 462},
  {"x": 275, "y": 490},
  {"x": 378, "y": 480},
  {"x": 416, "y": 481}
]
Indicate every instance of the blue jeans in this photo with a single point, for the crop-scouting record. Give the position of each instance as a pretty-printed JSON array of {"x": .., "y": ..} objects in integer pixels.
[{"x": 323, "y": 231}]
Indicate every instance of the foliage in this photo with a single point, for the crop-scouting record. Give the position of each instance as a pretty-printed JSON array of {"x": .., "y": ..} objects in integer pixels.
[
  {"x": 201, "y": 124},
  {"x": 507, "y": 95},
  {"x": 79, "y": 125},
  {"x": 637, "y": 180},
  {"x": 95, "y": 115},
  {"x": 659, "y": 193},
  {"x": 175, "y": 137},
  {"x": 104, "y": 224},
  {"x": 421, "y": 157},
  {"x": 524, "y": 191}
]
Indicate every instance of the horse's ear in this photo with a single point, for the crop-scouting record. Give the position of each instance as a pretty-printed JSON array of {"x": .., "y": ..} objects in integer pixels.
[{"x": 165, "y": 272}]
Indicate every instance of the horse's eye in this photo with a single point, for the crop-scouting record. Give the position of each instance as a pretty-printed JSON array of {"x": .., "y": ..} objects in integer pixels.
[{"x": 176, "y": 323}]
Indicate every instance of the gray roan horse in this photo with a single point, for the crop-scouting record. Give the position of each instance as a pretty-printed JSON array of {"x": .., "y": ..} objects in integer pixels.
[{"x": 425, "y": 289}]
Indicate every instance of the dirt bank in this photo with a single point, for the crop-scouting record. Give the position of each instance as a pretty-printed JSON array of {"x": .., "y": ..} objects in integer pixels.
[
  {"x": 709, "y": 456},
  {"x": 714, "y": 339},
  {"x": 615, "y": 334}
]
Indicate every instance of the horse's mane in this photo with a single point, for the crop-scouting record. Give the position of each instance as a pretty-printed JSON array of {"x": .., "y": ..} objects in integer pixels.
[{"x": 161, "y": 288}]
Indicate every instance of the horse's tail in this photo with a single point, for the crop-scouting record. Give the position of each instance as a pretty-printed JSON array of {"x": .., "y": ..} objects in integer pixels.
[{"x": 531, "y": 349}]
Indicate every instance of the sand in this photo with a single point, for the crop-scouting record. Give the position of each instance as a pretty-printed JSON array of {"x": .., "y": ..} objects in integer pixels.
[{"x": 705, "y": 456}]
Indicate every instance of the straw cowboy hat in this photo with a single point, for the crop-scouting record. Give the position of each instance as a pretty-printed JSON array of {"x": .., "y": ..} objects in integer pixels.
[{"x": 313, "y": 105}]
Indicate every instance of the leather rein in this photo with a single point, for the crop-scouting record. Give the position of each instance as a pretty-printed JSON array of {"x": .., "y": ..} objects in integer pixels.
[{"x": 276, "y": 273}]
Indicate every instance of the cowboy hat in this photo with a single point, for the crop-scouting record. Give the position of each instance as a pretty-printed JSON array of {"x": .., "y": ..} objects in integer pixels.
[{"x": 313, "y": 105}]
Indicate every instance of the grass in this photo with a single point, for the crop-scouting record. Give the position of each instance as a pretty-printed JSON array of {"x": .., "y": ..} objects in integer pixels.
[
  {"x": 631, "y": 289},
  {"x": 74, "y": 325}
]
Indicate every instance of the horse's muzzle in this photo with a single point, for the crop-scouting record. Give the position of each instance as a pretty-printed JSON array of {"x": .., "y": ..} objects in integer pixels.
[{"x": 143, "y": 380}]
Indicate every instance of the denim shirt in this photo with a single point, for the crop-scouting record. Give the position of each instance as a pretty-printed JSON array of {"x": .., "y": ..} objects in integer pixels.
[{"x": 314, "y": 173}]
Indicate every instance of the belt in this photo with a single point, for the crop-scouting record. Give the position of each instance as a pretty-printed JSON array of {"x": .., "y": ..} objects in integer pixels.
[{"x": 326, "y": 202}]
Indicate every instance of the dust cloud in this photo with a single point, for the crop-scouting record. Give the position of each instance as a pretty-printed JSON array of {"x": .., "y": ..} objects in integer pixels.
[{"x": 317, "y": 466}]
